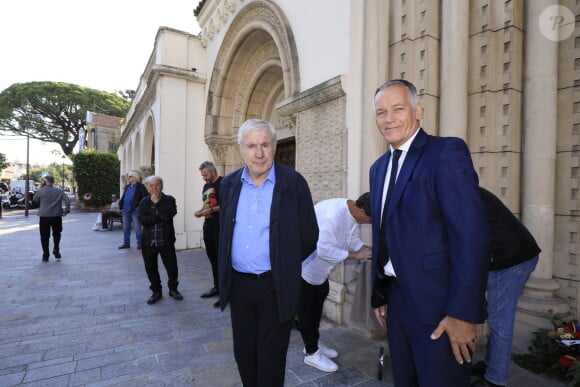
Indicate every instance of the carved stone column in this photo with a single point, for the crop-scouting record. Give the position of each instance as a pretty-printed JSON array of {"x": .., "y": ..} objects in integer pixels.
[
  {"x": 454, "y": 68},
  {"x": 539, "y": 163}
]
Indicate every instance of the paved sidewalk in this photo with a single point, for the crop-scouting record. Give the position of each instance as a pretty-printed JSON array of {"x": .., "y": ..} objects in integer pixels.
[{"x": 83, "y": 320}]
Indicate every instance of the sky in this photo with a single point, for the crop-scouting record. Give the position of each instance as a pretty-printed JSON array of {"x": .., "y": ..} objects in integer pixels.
[{"x": 101, "y": 44}]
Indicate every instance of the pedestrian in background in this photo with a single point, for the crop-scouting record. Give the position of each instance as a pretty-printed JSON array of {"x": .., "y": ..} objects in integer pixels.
[
  {"x": 338, "y": 239},
  {"x": 132, "y": 195},
  {"x": 514, "y": 256},
  {"x": 114, "y": 212},
  {"x": 50, "y": 200},
  {"x": 156, "y": 212},
  {"x": 267, "y": 228},
  {"x": 211, "y": 223}
]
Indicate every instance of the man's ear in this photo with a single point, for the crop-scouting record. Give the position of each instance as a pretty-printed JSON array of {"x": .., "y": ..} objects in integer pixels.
[{"x": 419, "y": 111}]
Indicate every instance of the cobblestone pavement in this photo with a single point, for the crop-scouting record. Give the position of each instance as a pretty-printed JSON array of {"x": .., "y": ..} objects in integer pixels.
[{"x": 83, "y": 320}]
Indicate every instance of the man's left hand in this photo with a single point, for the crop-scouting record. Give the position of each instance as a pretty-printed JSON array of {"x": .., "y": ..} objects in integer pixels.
[{"x": 461, "y": 334}]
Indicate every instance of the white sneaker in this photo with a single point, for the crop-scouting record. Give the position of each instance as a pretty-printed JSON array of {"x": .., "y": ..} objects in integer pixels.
[
  {"x": 326, "y": 351},
  {"x": 321, "y": 362}
]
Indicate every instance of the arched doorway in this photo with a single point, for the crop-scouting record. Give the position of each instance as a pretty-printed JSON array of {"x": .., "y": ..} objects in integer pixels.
[{"x": 256, "y": 68}]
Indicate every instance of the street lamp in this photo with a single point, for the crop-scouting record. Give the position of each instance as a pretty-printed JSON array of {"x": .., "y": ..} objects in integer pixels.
[
  {"x": 27, "y": 126},
  {"x": 63, "y": 157}
]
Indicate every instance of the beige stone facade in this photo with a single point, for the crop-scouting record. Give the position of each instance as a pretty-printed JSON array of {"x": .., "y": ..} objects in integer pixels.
[
  {"x": 101, "y": 132},
  {"x": 486, "y": 71}
]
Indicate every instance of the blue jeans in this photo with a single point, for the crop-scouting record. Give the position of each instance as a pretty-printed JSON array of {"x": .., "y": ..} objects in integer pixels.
[
  {"x": 503, "y": 289},
  {"x": 128, "y": 218}
]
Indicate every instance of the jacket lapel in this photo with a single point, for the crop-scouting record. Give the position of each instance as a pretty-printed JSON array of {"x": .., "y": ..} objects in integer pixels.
[
  {"x": 379, "y": 176},
  {"x": 415, "y": 152}
]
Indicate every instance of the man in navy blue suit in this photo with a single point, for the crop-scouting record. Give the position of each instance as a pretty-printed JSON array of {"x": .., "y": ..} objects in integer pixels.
[{"x": 430, "y": 245}]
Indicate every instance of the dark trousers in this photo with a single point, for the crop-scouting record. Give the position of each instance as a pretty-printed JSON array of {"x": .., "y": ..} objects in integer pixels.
[
  {"x": 417, "y": 360},
  {"x": 311, "y": 303},
  {"x": 45, "y": 224},
  {"x": 211, "y": 236},
  {"x": 105, "y": 215},
  {"x": 260, "y": 339},
  {"x": 169, "y": 259}
]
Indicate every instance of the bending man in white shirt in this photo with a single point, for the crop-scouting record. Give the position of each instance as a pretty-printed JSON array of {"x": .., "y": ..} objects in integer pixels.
[{"x": 339, "y": 239}]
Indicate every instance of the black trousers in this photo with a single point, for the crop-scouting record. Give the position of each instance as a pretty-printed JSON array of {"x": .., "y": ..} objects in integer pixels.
[
  {"x": 260, "y": 338},
  {"x": 311, "y": 303},
  {"x": 211, "y": 236},
  {"x": 169, "y": 259},
  {"x": 45, "y": 224},
  {"x": 109, "y": 214}
]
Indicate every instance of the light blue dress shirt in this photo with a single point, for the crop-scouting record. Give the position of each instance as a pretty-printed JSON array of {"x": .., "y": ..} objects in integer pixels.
[{"x": 251, "y": 239}]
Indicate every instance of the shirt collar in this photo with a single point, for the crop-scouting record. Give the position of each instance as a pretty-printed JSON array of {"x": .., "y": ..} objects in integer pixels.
[{"x": 245, "y": 178}]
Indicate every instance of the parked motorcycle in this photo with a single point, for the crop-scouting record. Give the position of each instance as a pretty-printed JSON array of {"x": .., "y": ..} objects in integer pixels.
[{"x": 17, "y": 200}]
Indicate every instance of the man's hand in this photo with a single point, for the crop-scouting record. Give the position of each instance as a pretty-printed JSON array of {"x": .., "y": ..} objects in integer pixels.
[
  {"x": 363, "y": 253},
  {"x": 381, "y": 315},
  {"x": 461, "y": 334},
  {"x": 203, "y": 213}
]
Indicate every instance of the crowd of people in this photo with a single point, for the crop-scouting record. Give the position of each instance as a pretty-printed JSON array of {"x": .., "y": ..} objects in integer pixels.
[{"x": 446, "y": 254}]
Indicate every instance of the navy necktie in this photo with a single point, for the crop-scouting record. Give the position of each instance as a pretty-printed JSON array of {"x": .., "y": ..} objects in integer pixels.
[{"x": 383, "y": 250}]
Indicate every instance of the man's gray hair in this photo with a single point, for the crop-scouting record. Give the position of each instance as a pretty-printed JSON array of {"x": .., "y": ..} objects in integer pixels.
[
  {"x": 255, "y": 124},
  {"x": 401, "y": 82},
  {"x": 207, "y": 165}
]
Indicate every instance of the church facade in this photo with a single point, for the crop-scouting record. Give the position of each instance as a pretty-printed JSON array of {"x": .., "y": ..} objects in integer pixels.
[{"x": 503, "y": 75}]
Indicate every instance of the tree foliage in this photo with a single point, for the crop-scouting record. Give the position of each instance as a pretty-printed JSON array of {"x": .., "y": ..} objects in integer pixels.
[
  {"x": 54, "y": 111},
  {"x": 55, "y": 169},
  {"x": 97, "y": 177}
]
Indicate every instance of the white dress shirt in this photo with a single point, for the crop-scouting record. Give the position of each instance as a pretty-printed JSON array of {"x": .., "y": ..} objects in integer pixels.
[
  {"x": 389, "y": 269},
  {"x": 339, "y": 234}
]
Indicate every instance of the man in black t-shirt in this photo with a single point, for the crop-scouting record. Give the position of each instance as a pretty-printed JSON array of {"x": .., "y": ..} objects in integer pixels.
[
  {"x": 211, "y": 224},
  {"x": 514, "y": 256}
]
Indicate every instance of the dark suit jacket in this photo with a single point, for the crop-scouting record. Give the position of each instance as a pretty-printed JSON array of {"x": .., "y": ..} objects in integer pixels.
[
  {"x": 437, "y": 231},
  {"x": 293, "y": 235},
  {"x": 140, "y": 193}
]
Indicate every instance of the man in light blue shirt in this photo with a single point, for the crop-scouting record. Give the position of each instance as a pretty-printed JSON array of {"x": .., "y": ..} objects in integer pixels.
[{"x": 267, "y": 228}]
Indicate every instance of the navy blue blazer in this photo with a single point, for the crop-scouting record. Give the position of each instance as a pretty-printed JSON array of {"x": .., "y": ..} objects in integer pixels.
[
  {"x": 293, "y": 235},
  {"x": 437, "y": 231}
]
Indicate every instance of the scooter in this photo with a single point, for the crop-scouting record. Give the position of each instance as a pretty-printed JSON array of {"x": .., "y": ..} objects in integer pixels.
[{"x": 18, "y": 200}]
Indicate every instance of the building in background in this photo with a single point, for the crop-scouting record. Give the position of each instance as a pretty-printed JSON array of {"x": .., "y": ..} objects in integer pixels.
[
  {"x": 503, "y": 75},
  {"x": 102, "y": 132}
]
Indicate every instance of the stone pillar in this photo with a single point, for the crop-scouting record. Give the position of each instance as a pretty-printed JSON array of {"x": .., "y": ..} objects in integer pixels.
[
  {"x": 454, "y": 68},
  {"x": 538, "y": 171},
  {"x": 369, "y": 48},
  {"x": 369, "y": 68}
]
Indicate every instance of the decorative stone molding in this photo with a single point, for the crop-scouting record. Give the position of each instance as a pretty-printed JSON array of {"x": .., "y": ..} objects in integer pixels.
[
  {"x": 155, "y": 72},
  {"x": 317, "y": 95}
]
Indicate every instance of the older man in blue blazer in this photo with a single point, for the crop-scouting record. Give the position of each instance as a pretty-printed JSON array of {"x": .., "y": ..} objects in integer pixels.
[
  {"x": 430, "y": 245},
  {"x": 267, "y": 228}
]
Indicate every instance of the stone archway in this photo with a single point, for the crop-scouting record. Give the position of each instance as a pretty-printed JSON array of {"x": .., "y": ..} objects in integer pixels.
[
  {"x": 149, "y": 144},
  {"x": 256, "y": 67}
]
